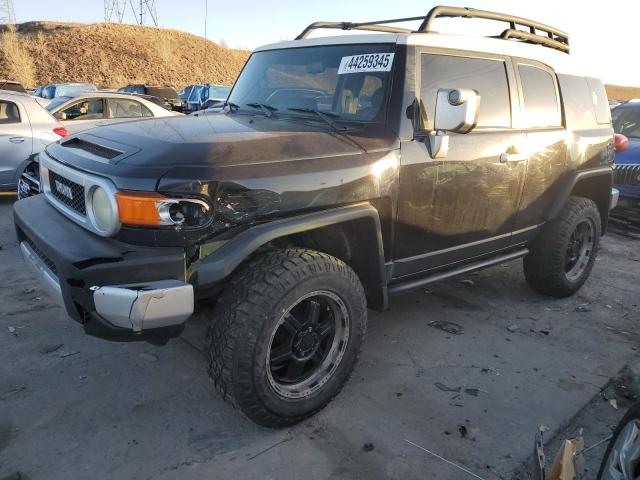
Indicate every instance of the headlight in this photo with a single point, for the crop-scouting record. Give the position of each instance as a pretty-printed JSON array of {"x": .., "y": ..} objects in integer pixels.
[
  {"x": 152, "y": 209},
  {"x": 103, "y": 212}
]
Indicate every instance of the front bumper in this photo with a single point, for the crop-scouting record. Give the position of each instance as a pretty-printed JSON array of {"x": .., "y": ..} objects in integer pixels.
[{"x": 117, "y": 291}]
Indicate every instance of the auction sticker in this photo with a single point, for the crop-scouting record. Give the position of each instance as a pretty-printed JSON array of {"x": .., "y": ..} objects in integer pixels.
[{"x": 369, "y": 62}]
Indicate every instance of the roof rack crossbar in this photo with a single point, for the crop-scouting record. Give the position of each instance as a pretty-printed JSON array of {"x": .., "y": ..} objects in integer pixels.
[
  {"x": 549, "y": 36},
  {"x": 560, "y": 40},
  {"x": 375, "y": 26}
]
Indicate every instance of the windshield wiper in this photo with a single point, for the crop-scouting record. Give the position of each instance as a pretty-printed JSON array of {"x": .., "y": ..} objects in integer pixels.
[
  {"x": 325, "y": 116},
  {"x": 232, "y": 106},
  {"x": 267, "y": 109}
]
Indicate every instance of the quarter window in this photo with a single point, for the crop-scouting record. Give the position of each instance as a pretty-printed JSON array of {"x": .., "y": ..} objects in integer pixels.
[
  {"x": 123, "y": 108},
  {"x": 9, "y": 113},
  {"x": 541, "y": 108},
  {"x": 485, "y": 76}
]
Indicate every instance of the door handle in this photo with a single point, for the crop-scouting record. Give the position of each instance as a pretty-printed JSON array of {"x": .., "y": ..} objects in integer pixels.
[
  {"x": 513, "y": 157},
  {"x": 16, "y": 139}
]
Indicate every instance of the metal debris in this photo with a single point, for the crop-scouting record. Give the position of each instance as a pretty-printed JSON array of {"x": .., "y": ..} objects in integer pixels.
[
  {"x": 583, "y": 307},
  {"x": 444, "y": 388},
  {"x": 449, "y": 327},
  {"x": 513, "y": 328},
  {"x": 459, "y": 467},
  {"x": 467, "y": 281}
]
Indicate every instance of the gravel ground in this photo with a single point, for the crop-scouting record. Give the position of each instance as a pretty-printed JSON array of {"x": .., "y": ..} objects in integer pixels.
[{"x": 72, "y": 406}]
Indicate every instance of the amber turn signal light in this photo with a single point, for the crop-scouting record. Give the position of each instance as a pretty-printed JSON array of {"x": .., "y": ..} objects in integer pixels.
[{"x": 139, "y": 208}]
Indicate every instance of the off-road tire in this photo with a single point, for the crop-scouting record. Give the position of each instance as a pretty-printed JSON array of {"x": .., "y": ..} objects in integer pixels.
[
  {"x": 240, "y": 331},
  {"x": 544, "y": 266}
]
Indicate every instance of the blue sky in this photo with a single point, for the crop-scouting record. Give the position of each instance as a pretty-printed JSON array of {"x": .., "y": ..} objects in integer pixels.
[{"x": 604, "y": 40}]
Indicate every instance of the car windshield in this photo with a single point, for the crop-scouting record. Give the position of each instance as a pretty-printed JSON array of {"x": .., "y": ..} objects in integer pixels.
[
  {"x": 163, "y": 92},
  {"x": 71, "y": 90},
  {"x": 56, "y": 102},
  {"x": 626, "y": 120},
  {"x": 348, "y": 82}
]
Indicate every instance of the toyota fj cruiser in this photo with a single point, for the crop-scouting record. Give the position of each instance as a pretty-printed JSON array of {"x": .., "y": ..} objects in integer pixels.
[{"x": 342, "y": 170}]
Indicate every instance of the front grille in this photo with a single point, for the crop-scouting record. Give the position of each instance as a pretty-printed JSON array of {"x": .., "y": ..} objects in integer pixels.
[
  {"x": 68, "y": 192},
  {"x": 626, "y": 175},
  {"x": 46, "y": 260},
  {"x": 93, "y": 148}
]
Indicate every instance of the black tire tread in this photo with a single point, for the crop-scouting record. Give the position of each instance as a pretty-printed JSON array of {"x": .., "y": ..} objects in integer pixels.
[
  {"x": 258, "y": 282},
  {"x": 544, "y": 266}
]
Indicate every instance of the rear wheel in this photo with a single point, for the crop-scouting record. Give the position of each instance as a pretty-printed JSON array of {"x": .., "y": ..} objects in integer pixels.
[
  {"x": 563, "y": 255},
  {"x": 286, "y": 334}
]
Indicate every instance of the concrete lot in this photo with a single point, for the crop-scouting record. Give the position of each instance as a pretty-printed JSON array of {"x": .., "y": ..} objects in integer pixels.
[{"x": 76, "y": 407}]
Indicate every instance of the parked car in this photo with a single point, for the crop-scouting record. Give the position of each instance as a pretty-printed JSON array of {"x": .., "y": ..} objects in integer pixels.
[
  {"x": 25, "y": 129},
  {"x": 89, "y": 110},
  {"x": 171, "y": 98},
  {"x": 344, "y": 170},
  {"x": 626, "y": 121},
  {"x": 54, "y": 90},
  {"x": 207, "y": 96},
  {"x": 12, "y": 86}
]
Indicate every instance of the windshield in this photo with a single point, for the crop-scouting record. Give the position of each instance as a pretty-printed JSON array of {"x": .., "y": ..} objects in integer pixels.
[
  {"x": 626, "y": 120},
  {"x": 348, "y": 81},
  {"x": 163, "y": 92}
]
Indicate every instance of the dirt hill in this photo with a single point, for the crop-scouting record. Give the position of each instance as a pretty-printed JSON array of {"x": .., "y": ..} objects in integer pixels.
[
  {"x": 617, "y": 92},
  {"x": 112, "y": 55}
]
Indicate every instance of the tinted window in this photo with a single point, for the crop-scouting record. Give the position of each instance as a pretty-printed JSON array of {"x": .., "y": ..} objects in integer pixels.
[
  {"x": 487, "y": 77},
  {"x": 578, "y": 105},
  {"x": 124, "y": 108},
  {"x": 87, "y": 109},
  {"x": 540, "y": 99},
  {"x": 600, "y": 100},
  {"x": 626, "y": 120},
  {"x": 9, "y": 113},
  {"x": 162, "y": 92}
]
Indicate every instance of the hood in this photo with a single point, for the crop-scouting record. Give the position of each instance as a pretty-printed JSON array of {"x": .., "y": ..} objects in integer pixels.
[
  {"x": 227, "y": 140},
  {"x": 631, "y": 155}
]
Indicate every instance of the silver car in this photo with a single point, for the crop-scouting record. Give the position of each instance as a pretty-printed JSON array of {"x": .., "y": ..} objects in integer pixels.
[
  {"x": 25, "y": 129},
  {"x": 94, "y": 109}
]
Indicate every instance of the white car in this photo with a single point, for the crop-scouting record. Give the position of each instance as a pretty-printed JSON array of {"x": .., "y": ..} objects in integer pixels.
[
  {"x": 88, "y": 110},
  {"x": 25, "y": 129}
]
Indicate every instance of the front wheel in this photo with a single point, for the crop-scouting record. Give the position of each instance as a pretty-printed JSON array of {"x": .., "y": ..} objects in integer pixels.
[
  {"x": 286, "y": 334},
  {"x": 563, "y": 255}
]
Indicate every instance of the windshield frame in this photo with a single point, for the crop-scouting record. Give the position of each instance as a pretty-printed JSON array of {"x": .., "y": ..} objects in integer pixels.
[{"x": 230, "y": 107}]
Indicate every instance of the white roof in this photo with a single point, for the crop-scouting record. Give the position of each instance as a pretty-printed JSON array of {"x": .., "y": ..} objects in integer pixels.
[{"x": 561, "y": 62}]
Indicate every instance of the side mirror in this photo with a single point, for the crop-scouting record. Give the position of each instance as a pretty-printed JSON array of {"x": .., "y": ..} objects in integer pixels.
[
  {"x": 61, "y": 116},
  {"x": 456, "y": 110}
]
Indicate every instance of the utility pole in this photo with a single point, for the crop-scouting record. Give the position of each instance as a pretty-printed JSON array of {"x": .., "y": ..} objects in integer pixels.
[
  {"x": 7, "y": 13},
  {"x": 206, "y": 11}
]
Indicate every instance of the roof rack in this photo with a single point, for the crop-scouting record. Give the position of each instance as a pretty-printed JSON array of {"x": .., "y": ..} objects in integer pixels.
[{"x": 549, "y": 36}]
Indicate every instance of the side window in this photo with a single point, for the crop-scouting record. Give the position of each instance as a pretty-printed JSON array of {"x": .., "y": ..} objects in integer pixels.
[
  {"x": 9, "y": 113},
  {"x": 600, "y": 101},
  {"x": 87, "y": 109},
  {"x": 138, "y": 89},
  {"x": 124, "y": 108},
  {"x": 485, "y": 76},
  {"x": 541, "y": 108},
  {"x": 578, "y": 102}
]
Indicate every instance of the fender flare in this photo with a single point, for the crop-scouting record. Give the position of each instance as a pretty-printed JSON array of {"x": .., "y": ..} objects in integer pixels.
[
  {"x": 213, "y": 269},
  {"x": 570, "y": 185}
]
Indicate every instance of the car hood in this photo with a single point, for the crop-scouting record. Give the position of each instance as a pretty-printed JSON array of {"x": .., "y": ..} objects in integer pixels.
[
  {"x": 229, "y": 140},
  {"x": 631, "y": 155}
]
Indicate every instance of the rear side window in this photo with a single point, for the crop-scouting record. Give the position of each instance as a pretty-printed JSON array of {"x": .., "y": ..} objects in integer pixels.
[
  {"x": 125, "y": 108},
  {"x": 9, "y": 112},
  {"x": 541, "y": 108},
  {"x": 578, "y": 104},
  {"x": 485, "y": 76},
  {"x": 87, "y": 109},
  {"x": 600, "y": 101}
]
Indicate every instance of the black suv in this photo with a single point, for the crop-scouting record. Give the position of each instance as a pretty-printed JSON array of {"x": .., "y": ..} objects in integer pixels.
[{"x": 342, "y": 170}]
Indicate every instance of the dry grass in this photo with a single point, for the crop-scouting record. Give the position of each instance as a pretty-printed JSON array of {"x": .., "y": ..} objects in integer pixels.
[
  {"x": 617, "y": 92},
  {"x": 16, "y": 62},
  {"x": 111, "y": 55}
]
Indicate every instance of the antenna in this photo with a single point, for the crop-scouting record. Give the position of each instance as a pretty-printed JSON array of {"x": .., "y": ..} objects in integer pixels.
[{"x": 7, "y": 13}]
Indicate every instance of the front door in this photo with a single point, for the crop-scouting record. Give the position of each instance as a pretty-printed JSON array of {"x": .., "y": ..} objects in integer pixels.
[
  {"x": 16, "y": 140},
  {"x": 464, "y": 205}
]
